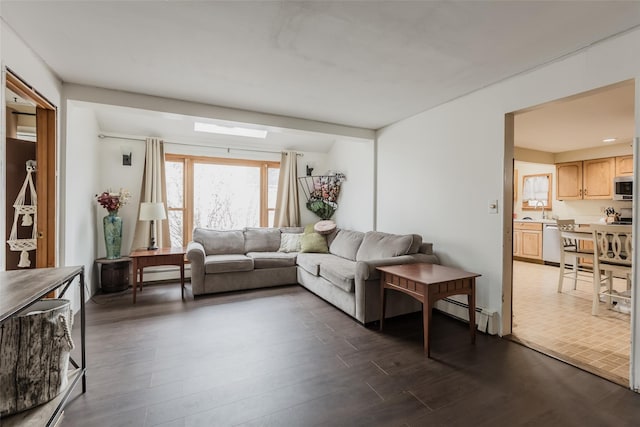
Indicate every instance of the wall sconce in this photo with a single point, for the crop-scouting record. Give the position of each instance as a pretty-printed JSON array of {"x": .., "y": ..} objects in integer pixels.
[
  {"x": 309, "y": 170},
  {"x": 126, "y": 155}
]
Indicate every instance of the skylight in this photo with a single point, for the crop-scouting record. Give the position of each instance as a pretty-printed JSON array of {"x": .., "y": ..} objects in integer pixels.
[{"x": 229, "y": 130}]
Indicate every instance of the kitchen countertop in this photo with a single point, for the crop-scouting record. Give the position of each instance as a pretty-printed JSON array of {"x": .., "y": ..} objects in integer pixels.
[
  {"x": 538, "y": 220},
  {"x": 553, "y": 221}
]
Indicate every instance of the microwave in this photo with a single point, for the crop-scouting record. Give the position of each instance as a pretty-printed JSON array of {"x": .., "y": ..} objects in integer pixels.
[{"x": 623, "y": 188}]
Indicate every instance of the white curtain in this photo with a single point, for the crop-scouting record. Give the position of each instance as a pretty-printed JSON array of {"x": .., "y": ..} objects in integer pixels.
[
  {"x": 153, "y": 189},
  {"x": 287, "y": 212}
]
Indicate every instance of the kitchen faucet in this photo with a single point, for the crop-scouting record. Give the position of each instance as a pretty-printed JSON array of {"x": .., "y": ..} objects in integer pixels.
[{"x": 540, "y": 203}]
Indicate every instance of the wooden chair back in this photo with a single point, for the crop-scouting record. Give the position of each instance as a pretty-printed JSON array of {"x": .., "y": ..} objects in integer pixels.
[
  {"x": 613, "y": 245},
  {"x": 567, "y": 243}
]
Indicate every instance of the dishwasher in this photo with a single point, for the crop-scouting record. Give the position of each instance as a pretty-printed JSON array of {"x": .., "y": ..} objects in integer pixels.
[{"x": 551, "y": 244}]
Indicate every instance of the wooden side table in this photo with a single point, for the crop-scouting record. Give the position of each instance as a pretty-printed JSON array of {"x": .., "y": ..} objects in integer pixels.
[
  {"x": 428, "y": 283},
  {"x": 114, "y": 274},
  {"x": 162, "y": 256}
]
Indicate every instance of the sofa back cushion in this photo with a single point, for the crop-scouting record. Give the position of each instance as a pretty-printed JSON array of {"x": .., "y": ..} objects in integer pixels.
[
  {"x": 377, "y": 245},
  {"x": 297, "y": 230},
  {"x": 217, "y": 242},
  {"x": 261, "y": 239},
  {"x": 415, "y": 245},
  {"x": 346, "y": 244}
]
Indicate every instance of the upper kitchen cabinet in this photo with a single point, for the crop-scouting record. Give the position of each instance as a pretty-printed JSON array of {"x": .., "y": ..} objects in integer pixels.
[
  {"x": 586, "y": 180},
  {"x": 569, "y": 181},
  {"x": 624, "y": 166}
]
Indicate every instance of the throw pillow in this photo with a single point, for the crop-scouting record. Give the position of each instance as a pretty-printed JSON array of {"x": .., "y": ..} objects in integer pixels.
[
  {"x": 290, "y": 242},
  {"x": 313, "y": 242},
  {"x": 309, "y": 229}
]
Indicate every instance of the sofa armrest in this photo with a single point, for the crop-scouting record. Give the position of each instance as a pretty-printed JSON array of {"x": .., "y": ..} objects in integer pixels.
[
  {"x": 195, "y": 252},
  {"x": 196, "y": 256},
  {"x": 366, "y": 270},
  {"x": 426, "y": 248}
]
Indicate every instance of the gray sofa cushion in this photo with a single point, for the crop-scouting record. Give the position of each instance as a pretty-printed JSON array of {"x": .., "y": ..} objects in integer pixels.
[
  {"x": 415, "y": 245},
  {"x": 346, "y": 244},
  {"x": 296, "y": 230},
  {"x": 310, "y": 262},
  {"x": 227, "y": 263},
  {"x": 272, "y": 259},
  {"x": 261, "y": 239},
  {"x": 378, "y": 245},
  {"x": 340, "y": 272},
  {"x": 220, "y": 242}
]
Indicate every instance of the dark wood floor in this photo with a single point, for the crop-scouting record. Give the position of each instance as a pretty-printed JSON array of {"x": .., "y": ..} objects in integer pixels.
[{"x": 284, "y": 357}]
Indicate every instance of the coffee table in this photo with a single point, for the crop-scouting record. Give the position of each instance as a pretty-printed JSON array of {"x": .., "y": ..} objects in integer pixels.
[
  {"x": 429, "y": 283},
  {"x": 150, "y": 258}
]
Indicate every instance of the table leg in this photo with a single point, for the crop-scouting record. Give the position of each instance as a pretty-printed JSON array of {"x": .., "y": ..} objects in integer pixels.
[
  {"x": 426, "y": 320},
  {"x": 472, "y": 310},
  {"x": 182, "y": 279},
  {"x": 141, "y": 278},
  {"x": 383, "y": 300},
  {"x": 135, "y": 278}
]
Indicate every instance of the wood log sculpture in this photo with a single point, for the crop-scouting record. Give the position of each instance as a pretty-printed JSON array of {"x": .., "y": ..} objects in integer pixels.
[{"x": 34, "y": 355}]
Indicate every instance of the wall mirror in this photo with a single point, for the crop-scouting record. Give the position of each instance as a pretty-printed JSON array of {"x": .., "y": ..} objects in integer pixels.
[{"x": 536, "y": 191}]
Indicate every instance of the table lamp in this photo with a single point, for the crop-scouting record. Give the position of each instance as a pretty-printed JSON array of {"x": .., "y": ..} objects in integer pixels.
[{"x": 150, "y": 211}]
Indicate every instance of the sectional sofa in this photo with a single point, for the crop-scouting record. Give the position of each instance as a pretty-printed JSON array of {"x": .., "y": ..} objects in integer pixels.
[{"x": 342, "y": 273}]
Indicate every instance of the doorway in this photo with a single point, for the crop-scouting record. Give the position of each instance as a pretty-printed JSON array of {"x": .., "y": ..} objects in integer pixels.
[
  {"x": 30, "y": 139},
  {"x": 576, "y": 130}
]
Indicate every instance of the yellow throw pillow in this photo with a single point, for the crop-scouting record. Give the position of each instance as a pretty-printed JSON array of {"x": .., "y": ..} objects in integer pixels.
[
  {"x": 313, "y": 242},
  {"x": 309, "y": 229}
]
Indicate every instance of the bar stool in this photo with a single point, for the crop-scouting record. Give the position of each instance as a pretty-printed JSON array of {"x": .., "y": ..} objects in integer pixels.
[
  {"x": 570, "y": 249},
  {"x": 613, "y": 246}
]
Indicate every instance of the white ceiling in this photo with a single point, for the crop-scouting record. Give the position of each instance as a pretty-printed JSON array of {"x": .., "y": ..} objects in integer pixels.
[
  {"x": 362, "y": 64},
  {"x": 579, "y": 122}
]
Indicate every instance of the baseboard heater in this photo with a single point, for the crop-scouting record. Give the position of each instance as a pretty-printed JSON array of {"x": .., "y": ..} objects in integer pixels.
[{"x": 486, "y": 320}]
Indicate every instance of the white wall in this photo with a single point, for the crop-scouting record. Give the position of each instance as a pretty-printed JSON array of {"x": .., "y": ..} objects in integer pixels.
[
  {"x": 19, "y": 58},
  {"x": 80, "y": 180},
  {"x": 438, "y": 170},
  {"x": 356, "y": 210}
]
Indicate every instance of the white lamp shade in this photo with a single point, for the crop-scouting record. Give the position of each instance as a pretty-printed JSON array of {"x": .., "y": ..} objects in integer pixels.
[{"x": 152, "y": 211}]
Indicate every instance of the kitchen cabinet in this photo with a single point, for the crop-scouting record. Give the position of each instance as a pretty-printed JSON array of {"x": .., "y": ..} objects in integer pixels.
[
  {"x": 624, "y": 166},
  {"x": 527, "y": 240},
  {"x": 585, "y": 180}
]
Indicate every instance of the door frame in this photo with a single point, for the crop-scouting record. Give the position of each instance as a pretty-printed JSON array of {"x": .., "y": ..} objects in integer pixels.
[
  {"x": 507, "y": 271},
  {"x": 46, "y": 148}
]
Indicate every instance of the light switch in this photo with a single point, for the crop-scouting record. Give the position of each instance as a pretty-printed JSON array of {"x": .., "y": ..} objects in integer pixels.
[{"x": 493, "y": 206}]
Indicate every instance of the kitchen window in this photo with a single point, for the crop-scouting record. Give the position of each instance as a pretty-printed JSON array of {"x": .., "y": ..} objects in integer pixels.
[
  {"x": 536, "y": 191},
  {"x": 218, "y": 193}
]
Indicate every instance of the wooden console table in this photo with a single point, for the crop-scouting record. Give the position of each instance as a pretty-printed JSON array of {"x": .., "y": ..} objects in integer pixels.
[
  {"x": 162, "y": 256},
  {"x": 429, "y": 283},
  {"x": 20, "y": 289}
]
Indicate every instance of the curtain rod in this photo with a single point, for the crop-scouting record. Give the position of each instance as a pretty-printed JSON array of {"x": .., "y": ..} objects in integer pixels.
[{"x": 103, "y": 136}]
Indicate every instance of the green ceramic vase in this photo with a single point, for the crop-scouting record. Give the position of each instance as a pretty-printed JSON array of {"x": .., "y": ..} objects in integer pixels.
[{"x": 112, "y": 224}]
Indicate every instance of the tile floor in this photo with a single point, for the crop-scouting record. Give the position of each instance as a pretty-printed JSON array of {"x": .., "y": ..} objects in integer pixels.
[{"x": 562, "y": 325}]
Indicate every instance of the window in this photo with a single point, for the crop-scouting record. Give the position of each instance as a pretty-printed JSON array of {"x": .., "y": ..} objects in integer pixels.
[
  {"x": 536, "y": 191},
  {"x": 222, "y": 194}
]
